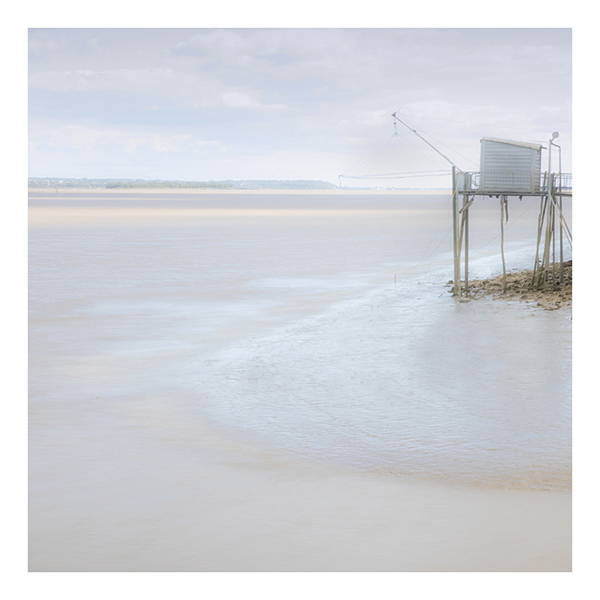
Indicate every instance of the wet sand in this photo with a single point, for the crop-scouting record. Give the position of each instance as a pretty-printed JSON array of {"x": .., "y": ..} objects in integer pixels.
[{"x": 519, "y": 286}]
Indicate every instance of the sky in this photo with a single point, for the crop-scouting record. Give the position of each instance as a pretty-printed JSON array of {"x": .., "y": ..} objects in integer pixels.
[{"x": 284, "y": 103}]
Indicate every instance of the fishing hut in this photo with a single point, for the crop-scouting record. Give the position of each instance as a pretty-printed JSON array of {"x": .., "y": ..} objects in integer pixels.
[
  {"x": 507, "y": 169},
  {"x": 513, "y": 169}
]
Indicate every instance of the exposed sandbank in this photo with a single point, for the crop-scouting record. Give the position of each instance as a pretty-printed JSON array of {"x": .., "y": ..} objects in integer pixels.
[{"x": 519, "y": 287}]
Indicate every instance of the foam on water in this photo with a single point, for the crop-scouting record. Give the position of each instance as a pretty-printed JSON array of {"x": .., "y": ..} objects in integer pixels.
[{"x": 408, "y": 381}]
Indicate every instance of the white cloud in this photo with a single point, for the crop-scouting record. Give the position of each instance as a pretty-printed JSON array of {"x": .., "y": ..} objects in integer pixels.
[
  {"x": 40, "y": 45},
  {"x": 374, "y": 118},
  {"x": 160, "y": 80},
  {"x": 158, "y": 143},
  {"x": 236, "y": 47},
  {"x": 188, "y": 89},
  {"x": 74, "y": 137},
  {"x": 242, "y": 100},
  {"x": 77, "y": 137},
  {"x": 239, "y": 100}
]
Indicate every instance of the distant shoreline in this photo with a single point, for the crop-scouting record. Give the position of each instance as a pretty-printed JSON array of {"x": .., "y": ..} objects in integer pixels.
[
  {"x": 51, "y": 192},
  {"x": 229, "y": 185}
]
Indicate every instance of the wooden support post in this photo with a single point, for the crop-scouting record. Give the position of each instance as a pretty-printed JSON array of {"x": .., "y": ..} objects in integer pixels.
[
  {"x": 502, "y": 213},
  {"x": 466, "y": 209},
  {"x": 537, "y": 245},
  {"x": 561, "y": 243},
  {"x": 464, "y": 236},
  {"x": 553, "y": 245},
  {"x": 457, "y": 286},
  {"x": 548, "y": 237}
]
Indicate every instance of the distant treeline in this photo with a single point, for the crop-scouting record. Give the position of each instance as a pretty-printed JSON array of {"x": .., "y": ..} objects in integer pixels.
[
  {"x": 168, "y": 184},
  {"x": 58, "y": 183}
]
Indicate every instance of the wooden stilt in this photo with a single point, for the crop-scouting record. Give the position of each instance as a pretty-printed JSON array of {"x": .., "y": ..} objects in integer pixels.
[
  {"x": 536, "y": 266},
  {"x": 466, "y": 209},
  {"x": 553, "y": 245},
  {"x": 548, "y": 237},
  {"x": 502, "y": 213},
  {"x": 561, "y": 244},
  {"x": 461, "y": 237},
  {"x": 457, "y": 287}
]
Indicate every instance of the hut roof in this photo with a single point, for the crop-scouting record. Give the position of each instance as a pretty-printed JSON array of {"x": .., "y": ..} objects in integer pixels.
[{"x": 513, "y": 143}]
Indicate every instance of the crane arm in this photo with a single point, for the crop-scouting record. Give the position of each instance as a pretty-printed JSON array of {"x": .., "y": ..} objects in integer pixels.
[{"x": 429, "y": 144}]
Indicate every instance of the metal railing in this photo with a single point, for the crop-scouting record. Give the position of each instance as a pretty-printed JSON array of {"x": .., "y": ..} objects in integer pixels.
[
  {"x": 563, "y": 182},
  {"x": 511, "y": 181}
]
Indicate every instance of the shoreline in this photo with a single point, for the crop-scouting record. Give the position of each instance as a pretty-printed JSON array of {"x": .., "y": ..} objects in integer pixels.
[{"x": 518, "y": 287}]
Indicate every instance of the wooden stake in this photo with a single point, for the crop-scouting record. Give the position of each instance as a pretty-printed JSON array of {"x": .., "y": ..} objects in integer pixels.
[
  {"x": 467, "y": 245},
  {"x": 502, "y": 212},
  {"x": 456, "y": 288},
  {"x": 539, "y": 237},
  {"x": 553, "y": 246},
  {"x": 561, "y": 243},
  {"x": 546, "y": 261}
]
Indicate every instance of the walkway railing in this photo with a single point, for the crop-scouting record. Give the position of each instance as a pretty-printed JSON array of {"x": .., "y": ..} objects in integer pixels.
[{"x": 507, "y": 182}]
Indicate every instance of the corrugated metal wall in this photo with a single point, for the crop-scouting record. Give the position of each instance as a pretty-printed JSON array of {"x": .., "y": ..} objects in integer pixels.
[{"x": 509, "y": 167}]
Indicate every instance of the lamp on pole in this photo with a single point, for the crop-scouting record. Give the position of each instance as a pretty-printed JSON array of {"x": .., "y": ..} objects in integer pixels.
[{"x": 550, "y": 144}]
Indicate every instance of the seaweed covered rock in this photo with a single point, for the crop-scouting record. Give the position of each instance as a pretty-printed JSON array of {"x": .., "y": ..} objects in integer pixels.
[{"x": 555, "y": 292}]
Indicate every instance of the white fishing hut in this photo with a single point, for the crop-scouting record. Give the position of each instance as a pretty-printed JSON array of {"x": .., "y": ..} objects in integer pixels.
[
  {"x": 513, "y": 168},
  {"x": 510, "y": 166}
]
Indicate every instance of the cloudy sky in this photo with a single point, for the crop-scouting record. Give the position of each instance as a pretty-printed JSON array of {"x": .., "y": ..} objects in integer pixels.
[{"x": 215, "y": 104}]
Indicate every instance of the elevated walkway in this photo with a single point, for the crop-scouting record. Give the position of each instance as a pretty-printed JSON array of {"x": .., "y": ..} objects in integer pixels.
[{"x": 513, "y": 183}]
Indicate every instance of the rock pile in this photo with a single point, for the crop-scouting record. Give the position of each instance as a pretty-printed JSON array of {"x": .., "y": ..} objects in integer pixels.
[{"x": 519, "y": 287}]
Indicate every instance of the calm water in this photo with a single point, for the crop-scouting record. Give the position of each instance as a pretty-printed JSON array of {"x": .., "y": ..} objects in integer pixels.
[{"x": 230, "y": 382}]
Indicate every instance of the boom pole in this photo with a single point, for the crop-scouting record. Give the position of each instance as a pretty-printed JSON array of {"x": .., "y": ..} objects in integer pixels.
[
  {"x": 458, "y": 239},
  {"x": 428, "y": 143}
]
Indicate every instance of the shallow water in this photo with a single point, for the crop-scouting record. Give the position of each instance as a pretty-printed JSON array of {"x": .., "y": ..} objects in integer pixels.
[{"x": 283, "y": 382}]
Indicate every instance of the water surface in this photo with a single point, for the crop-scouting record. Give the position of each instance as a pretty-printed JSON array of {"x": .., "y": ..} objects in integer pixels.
[{"x": 283, "y": 382}]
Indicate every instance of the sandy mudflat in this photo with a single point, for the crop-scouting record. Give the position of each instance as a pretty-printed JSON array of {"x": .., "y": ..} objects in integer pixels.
[
  {"x": 519, "y": 287},
  {"x": 139, "y": 206},
  {"x": 108, "y": 215}
]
